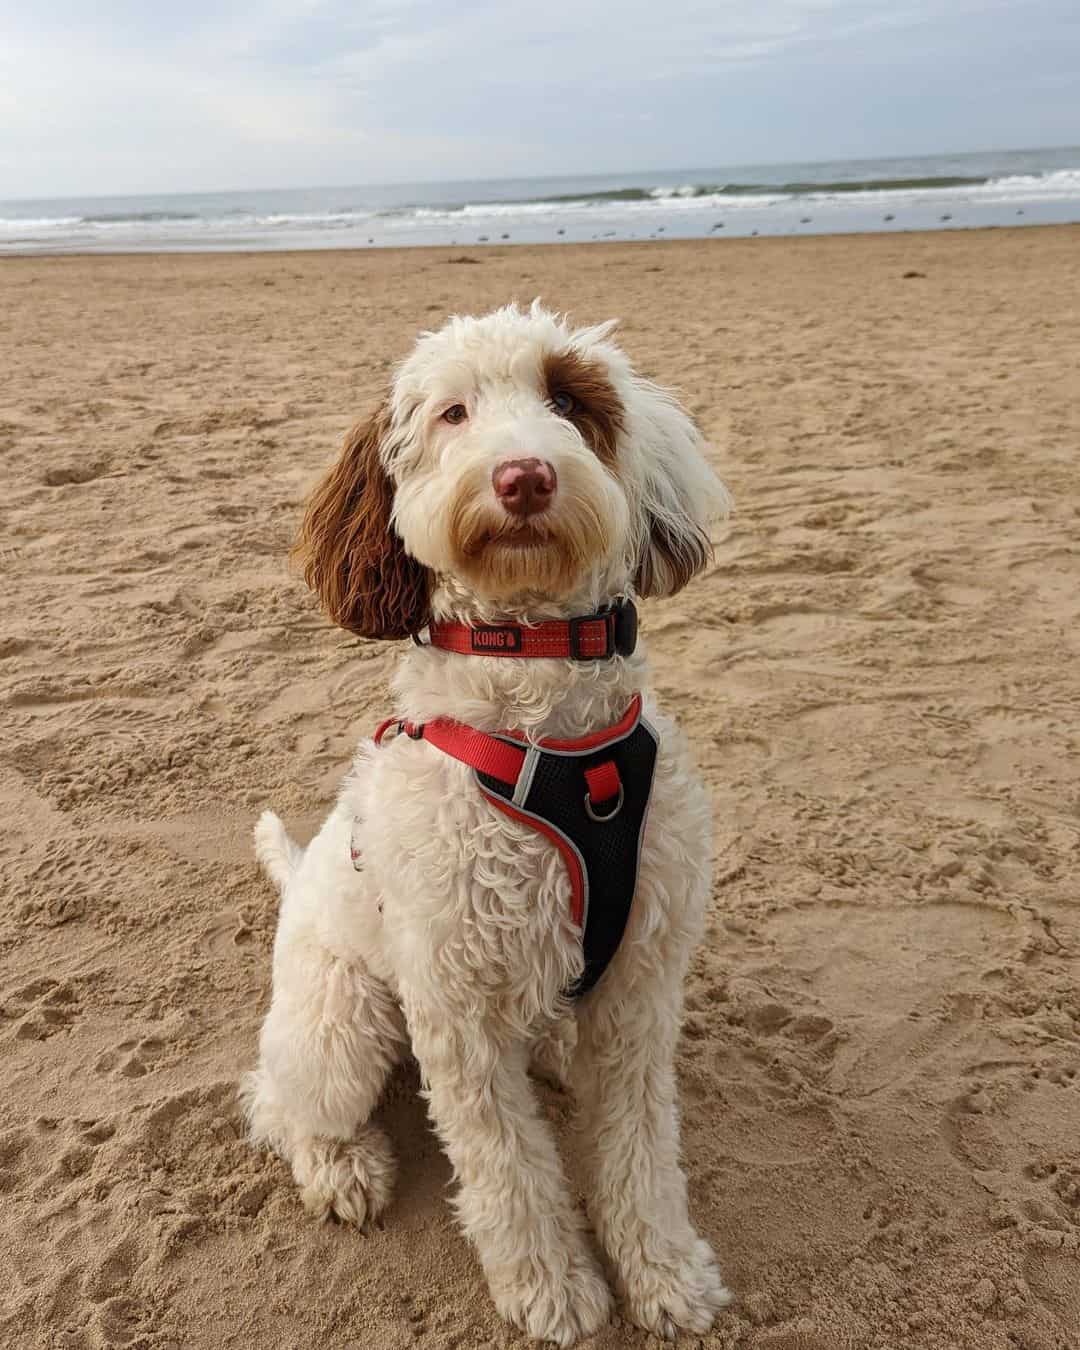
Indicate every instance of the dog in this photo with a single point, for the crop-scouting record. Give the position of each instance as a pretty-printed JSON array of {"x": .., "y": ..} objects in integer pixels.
[{"x": 515, "y": 490}]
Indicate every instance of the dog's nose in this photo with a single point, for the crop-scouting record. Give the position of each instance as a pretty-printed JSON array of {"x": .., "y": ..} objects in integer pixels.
[{"x": 524, "y": 486}]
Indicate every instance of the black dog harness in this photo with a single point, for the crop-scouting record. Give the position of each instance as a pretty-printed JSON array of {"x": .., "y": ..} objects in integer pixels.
[{"x": 589, "y": 796}]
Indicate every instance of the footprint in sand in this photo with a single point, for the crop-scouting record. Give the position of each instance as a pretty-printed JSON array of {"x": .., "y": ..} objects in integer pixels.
[
  {"x": 111, "y": 1274},
  {"x": 61, "y": 475},
  {"x": 58, "y": 1160},
  {"x": 61, "y": 1173},
  {"x": 40, "y": 1009},
  {"x": 131, "y": 1059},
  {"x": 1015, "y": 1127},
  {"x": 119, "y": 1320},
  {"x": 118, "y": 1313},
  {"x": 13, "y": 1145}
]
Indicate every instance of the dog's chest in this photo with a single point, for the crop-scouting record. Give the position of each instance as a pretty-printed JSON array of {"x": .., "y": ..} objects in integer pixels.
[
  {"x": 465, "y": 890},
  {"x": 479, "y": 905}
]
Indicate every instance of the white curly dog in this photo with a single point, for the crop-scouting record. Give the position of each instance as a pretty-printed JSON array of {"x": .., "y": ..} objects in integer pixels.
[{"x": 518, "y": 474}]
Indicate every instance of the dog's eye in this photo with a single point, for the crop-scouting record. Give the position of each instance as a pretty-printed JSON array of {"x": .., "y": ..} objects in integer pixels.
[
  {"x": 458, "y": 413},
  {"x": 563, "y": 402}
]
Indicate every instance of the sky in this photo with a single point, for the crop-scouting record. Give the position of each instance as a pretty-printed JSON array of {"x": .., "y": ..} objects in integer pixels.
[{"x": 148, "y": 96}]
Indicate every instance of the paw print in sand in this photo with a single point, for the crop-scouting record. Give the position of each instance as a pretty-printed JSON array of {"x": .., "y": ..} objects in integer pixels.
[
  {"x": 40, "y": 1009},
  {"x": 131, "y": 1058}
]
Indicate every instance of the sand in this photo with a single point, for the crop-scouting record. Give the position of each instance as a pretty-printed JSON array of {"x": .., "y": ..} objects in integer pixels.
[{"x": 880, "y": 1068}]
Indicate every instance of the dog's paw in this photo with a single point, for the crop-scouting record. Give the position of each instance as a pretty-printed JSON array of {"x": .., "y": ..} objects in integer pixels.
[
  {"x": 682, "y": 1293},
  {"x": 353, "y": 1179},
  {"x": 561, "y": 1307}
]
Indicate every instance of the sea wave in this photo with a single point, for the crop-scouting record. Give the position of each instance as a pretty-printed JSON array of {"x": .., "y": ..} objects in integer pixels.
[
  {"x": 1065, "y": 181},
  {"x": 690, "y": 196},
  {"x": 1061, "y": 181},
  {"x": 165, "y": 221},
  {"x": 679, "y": 206},
  {"x": 344, "y": 217},
  {"x": 13, "y": 223},
  {"x": 696, "y": 191},
  {"x": 138, "y": 217}
]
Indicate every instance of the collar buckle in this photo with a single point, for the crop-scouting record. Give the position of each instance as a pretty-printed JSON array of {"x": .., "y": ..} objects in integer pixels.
[
  {"x": 625, "y": 627},
  {"x": 620, "y": 632},
  {"x": 574, "y": 626}
]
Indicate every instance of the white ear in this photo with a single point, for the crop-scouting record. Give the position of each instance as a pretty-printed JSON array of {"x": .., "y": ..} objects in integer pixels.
[
  {"x": 681, "y": 496},
  {"x": 597, "y": 332}
]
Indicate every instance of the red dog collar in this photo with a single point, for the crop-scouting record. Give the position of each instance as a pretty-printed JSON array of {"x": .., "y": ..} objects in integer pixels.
[{"x": 611, "y": 631}]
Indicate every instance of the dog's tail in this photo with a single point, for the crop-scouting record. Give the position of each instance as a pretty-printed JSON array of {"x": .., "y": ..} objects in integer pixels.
[{"x": 275, "y": 850}]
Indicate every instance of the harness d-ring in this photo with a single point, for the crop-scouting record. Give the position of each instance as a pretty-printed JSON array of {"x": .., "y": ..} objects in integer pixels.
[{"x": 609, "y": 815}]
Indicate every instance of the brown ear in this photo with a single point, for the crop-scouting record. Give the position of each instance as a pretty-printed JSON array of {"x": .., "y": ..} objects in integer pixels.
[
  {"x": 351, "y": 556},
  {"x": 671, "y": 558}
]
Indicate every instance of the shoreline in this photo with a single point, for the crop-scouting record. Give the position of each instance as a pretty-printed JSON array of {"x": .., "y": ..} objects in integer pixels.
[{"x": 493, "y": 249}]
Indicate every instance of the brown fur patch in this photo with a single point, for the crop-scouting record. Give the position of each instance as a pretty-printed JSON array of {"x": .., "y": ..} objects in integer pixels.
[
  {"x": 351, "y": 557},
  {"x": 598, "y": 410},
  {"x": 671, "y": 562}
]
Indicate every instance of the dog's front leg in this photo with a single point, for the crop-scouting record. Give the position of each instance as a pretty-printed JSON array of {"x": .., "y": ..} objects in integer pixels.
[
  {"x": 513, "y": 1201},
  {"x": 624, "y": 1080}
]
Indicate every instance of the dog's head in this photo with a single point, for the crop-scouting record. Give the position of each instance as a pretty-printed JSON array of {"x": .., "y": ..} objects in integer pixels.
[{"x": 520, "y": 460}]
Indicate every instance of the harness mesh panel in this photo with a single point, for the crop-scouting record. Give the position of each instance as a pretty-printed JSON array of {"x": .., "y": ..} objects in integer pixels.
[{"x": 609, "y": 849}]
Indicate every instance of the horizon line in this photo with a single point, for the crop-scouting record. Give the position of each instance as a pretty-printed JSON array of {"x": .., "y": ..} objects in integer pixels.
[{"x": 544, "y": 177}]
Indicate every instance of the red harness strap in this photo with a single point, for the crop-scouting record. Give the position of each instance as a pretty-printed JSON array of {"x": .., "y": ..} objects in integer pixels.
[
  {"x": 479, "y": 750},
  {"x": 486, "y": 754},
  {"x": 493, "y": 754},
  {"x": 603, "y": 781}
]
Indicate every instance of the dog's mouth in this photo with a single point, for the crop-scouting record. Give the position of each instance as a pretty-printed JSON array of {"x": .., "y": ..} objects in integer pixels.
[
  {"x": 512, "y": 537},
  {"x": 543, "y": 553}
]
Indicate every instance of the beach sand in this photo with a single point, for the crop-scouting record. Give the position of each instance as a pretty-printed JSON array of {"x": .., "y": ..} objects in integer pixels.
[{"x": 880, "y": 1070}]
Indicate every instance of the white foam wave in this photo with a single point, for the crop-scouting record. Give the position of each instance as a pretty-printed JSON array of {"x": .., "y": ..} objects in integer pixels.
[
  {"x": 20, "y": 224},
  {"x": 1062, "y": 182},
  {"x": 170, "y": 225},
  {"x": 591, "y": 206}
]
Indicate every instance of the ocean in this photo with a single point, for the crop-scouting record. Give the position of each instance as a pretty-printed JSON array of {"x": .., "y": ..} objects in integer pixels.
[{"x": 1015, "y": 187}]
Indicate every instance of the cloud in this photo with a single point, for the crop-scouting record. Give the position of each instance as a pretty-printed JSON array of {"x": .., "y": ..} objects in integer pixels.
[{"x": 126, "y": 96}]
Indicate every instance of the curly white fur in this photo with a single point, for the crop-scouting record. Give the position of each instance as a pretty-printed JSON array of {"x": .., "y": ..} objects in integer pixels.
[{"x": 456, "y": 934}]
